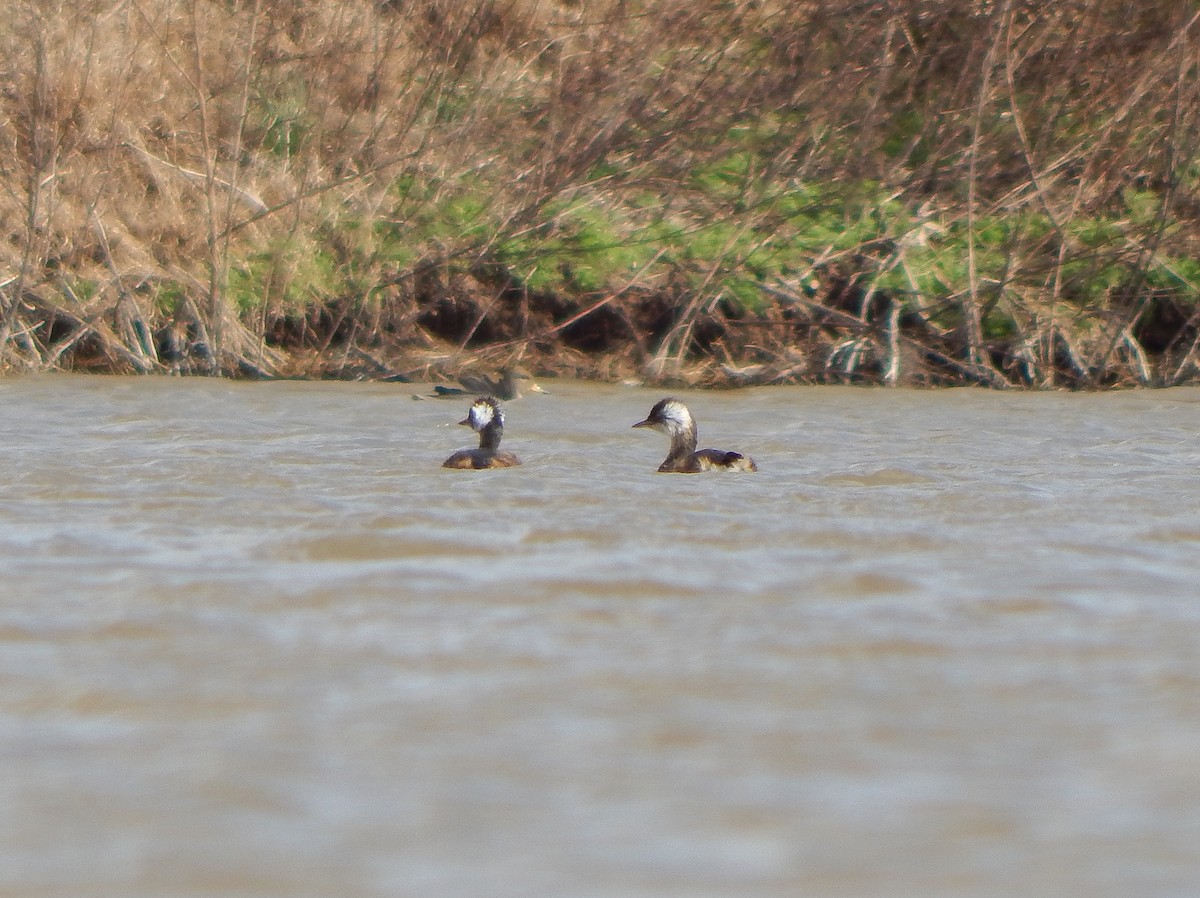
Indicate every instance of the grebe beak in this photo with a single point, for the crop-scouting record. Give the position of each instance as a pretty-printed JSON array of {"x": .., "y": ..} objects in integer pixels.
[
  {"x": 465, "y": 422},
  {"x": 646, "y": 423}
]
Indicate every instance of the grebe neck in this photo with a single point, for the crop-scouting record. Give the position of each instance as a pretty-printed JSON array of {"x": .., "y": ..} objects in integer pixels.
[
  {"x": 489, "y": 435},
  {"x": 683, "y": 443}
]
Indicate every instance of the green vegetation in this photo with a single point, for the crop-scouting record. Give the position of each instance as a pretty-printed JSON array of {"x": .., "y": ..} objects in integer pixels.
[{"x": 957, "y": 191}]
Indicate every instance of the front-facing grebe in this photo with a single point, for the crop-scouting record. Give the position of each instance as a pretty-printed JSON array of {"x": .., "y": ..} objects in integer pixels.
[
  {"x": 487, "y": 419},
  {"x": 670, "y": 416}
]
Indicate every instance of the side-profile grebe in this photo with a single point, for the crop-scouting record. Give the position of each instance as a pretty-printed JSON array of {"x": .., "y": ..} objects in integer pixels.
[
  {"x": 487, "y": 419},
  {"x": 507, "y": 388},
  {"x": 670, "y": 416}
]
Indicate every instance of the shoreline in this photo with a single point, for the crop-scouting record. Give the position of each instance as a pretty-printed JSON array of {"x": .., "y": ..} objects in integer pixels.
[{"x": 846, "y": 337}]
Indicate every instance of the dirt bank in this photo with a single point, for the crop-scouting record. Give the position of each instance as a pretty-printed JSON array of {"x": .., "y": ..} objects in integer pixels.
[{"x": 439, "y": 328}]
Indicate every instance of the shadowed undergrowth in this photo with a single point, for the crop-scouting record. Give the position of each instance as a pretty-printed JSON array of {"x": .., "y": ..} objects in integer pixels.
[{"x": 740, "y": 192}]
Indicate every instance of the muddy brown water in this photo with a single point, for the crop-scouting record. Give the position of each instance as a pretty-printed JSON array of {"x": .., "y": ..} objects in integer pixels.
[{"x": 255, "y": 642}]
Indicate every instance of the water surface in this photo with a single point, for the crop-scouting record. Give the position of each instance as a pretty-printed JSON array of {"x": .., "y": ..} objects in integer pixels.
[{"x": 255, "y": 642}]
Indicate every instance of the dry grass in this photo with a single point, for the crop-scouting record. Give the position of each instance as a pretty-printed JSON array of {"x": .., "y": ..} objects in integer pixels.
[{"x": 198, "y": 185}]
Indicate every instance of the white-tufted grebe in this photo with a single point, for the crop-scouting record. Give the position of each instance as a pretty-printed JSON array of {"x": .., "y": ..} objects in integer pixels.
[
  {"x": 507, "y": 388},
  {"x": 487, "y": 419},
  {"x": 670, "y": 416}
]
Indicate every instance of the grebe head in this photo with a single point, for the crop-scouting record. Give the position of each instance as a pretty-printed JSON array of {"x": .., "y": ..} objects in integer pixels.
[
  {"x": 484, "y": 411},
  {"x": 516, "y": 379},
  {"x": 669, "y": 416}
]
